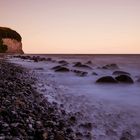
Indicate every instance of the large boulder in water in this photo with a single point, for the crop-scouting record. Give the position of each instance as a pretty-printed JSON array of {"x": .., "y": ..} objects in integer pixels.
[
  {"x": 120, "y": 73},
  {"x": 11, "y": 39},
  {"x": 110, "y": 66},
  {"x": 62, "y": 69},
  {"x": 106, "y": 79},
  {"x": 80, "y": 65},
  {"x": 124, "y": 79}
]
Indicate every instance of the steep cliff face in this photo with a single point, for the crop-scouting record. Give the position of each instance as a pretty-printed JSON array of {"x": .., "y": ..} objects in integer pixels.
[
  {"x": 13, "y": 45},
  {"x": 12, "y": 40}
]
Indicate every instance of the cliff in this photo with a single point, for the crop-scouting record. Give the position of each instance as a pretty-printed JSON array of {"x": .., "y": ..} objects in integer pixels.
[{"x": 11, "y": 40}]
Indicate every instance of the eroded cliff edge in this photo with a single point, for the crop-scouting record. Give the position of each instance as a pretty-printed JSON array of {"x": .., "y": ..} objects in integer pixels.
[{"x": 11, "y": 41}]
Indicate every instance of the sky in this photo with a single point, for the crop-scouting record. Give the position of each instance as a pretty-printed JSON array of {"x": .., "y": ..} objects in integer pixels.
[{"x": 74, "y": 26}]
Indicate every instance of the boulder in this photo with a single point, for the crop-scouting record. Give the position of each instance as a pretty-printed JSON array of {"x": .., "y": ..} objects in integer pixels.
[
  {"x": 63, "y": 62},
  {"x": 62, "y": 69},
  {"x": 106, "y": 79},
  {"x": 56, "y": 67},
  {"x": 120, "y": 73},
  {"x": 124, "y": 79},
  {"x": 89, "y": 62},
  {"x": 110, "y": 66},
  {"x": 94, "y": 73},
  {"x": 80, "y": 65},
  {"x": 80, "y": 73}
]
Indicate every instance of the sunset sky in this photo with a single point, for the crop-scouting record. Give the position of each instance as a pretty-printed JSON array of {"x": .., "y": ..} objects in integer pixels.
[{"x": 74, "y": 26}]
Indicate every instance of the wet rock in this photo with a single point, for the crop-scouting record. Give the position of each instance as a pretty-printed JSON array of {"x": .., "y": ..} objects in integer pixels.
[
  {"x": 89, "y": 62},
  {"x": 94, "y": 73},
  {"x": 49, "y": 59},
  {"x": 80, "y": 65},
  {"x": 39, "y": 69},
  {"x": 56, "y": 67},
  {"x": 127, "y": 136},
  {"x": 110, "y": 66},
  {"x": 62, "y": 69},
  {"x": 120, "y": 73},
  {"x": 106, "y": 79},
  {"x": 86, "y": 125},
  {"x": 124, "y": 79},
  {"x": 59, "y": 137},
  {"x": 80, "y": 73},
  {"x": 63, "y": 62}
]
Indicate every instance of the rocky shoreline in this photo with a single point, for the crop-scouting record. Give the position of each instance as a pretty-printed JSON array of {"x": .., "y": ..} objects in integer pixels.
[{"x": 26, "y": 114}]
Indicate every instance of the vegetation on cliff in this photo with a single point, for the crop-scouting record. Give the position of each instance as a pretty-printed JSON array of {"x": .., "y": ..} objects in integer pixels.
[
  {"x": 3, "y": 48},
  {"x": 9, "y": 33}
]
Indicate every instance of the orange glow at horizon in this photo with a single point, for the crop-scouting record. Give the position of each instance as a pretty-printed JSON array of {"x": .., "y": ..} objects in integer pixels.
[{"x": 75, "y": 26}]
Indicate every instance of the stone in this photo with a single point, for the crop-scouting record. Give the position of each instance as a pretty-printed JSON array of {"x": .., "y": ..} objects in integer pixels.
[
  {"x": 80, "y": 65},
  {"x": 120, "y": 73},
  {"x": 106, "y": 79},
  {"x": 62, "y": 69},
  {"x": 127, "y": 136},
  {"x": 124, "y": 79},
  {"x": 110, "y": 66}
]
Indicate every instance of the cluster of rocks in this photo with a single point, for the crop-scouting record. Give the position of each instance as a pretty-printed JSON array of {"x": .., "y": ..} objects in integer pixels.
[
  {"x": 26, "y": 114},
  {"x": 34, "y": 58},
  {"x": 121, "y": 77}
]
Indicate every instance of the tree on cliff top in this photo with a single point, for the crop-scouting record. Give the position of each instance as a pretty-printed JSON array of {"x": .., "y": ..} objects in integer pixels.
[
  {"x": 3, "y": 48},
  {"x": 9, "y": 33}
]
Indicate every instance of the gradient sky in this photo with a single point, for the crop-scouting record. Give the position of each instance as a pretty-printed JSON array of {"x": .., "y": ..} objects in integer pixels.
[{"x": 74, "y": 26}]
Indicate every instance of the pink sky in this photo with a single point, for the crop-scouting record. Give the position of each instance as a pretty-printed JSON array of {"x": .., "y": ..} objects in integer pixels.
[{"x": 74, "y": 26}]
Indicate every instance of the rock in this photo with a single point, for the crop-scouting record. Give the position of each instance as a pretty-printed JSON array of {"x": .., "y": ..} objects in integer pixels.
[
  {"x": 63, "y": 62},
  {"x": 106, "y": 79},
  {"x": 12, "y": 40},
  {"x": 86, "y": 125},
  {"x": 62, "y": 69},
  {"x": 110, "y": 66},
  {"x": 120, "y": 73},
  {"x": 45, "y": 135},
  {"x": 59, "y": 137},
  {"x": 56, "y": 67},
  {"x": 89, "y": 62},
  {"x": 80, "y": 65},
  {"x": 124, "y": 79},
  {"x": 49, "y": 59},
  {"x": 80, "y": 73},
  {"x": 94, "y": 73},
  {"x": 127, "y": 136}
]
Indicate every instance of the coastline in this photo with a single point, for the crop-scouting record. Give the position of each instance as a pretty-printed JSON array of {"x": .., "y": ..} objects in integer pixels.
[
  {"x": 87, "y": 111},
  {"x": 25, "y": 113}
]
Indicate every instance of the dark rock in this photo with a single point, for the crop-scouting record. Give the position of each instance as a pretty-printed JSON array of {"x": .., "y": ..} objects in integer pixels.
[
  {"x": 49, "y": 59},
  {"x": 106, "y": 79},
  {"x": 127, "y": 136},
  {"x": 94, "y": 73},
  {"x": 80, "y": 73},
  {"x": 124, "y": 79},
  {"x": 63, "y": 62},
  {"x": 56, "y": 67},
  {"x": 110, "y": 66},
  {"x": 80, "y": 65},
  {"x": 59, "y": 137},
  {"x": 120, "y": 73},
  {"x": 86, "y": 125},
  {"x": 62, "y": 69},
  {"x": 89, "y": 62}
]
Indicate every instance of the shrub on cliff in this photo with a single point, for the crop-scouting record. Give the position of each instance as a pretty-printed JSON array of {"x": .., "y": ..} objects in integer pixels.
[
  {"x": 3, "y": 48},
  {"x": 9, "y": 33}
]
